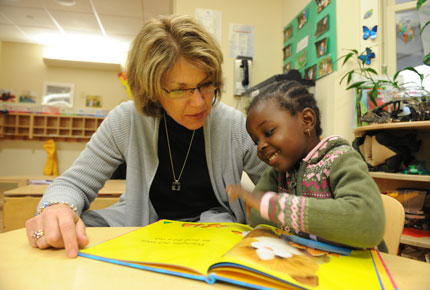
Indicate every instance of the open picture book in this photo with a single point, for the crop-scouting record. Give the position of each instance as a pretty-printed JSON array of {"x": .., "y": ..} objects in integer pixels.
[{"x": 260, "y": 257}]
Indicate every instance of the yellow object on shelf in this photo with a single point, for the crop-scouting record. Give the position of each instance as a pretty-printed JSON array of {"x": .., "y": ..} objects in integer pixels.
[{"x": 51, "y": 165}]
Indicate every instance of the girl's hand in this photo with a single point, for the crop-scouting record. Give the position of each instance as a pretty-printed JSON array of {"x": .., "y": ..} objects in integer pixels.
[{"x": 251, "y": 199}]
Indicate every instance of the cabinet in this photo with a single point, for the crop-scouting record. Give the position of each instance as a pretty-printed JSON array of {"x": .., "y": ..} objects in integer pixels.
[
  {"x": 20, "y": 203},
  {"x": 11, "y": 182},
  {"x": 391, "y": 181},
  {"x": 41, "y": 126}
]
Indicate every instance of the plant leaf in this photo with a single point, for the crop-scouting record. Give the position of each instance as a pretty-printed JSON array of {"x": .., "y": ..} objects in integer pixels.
[
  {"x": 420, "y": 3},
  {"x": 424, "y": 26},
  {"x": 369, "y": 69},
  {"x": 415, "y": 71},
  {"x": 374, "y": 95},
  {"x": 426, "y": 59},
  {"x": 347, "y": 75},
  {"x": 355, "y": 85},
  {"x": 348, "y": 56},
  {"x": 396, "y": 75}
]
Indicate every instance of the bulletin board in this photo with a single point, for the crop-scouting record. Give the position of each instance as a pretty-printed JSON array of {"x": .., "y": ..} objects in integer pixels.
[{"x": 310, "y": 44}]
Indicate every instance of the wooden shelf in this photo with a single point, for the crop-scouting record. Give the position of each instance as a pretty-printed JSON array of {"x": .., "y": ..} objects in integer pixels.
[
  {"x": 423, "y": 242},
  {"x": 400, "y": 176},
  {"x": 413, "y": 126},
  {"x": 41, "y": 126},
  {"x": 389, "y": 182}
]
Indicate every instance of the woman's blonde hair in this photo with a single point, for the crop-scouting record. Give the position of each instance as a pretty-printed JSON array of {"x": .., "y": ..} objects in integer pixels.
[{"x": 156, "y": 48}]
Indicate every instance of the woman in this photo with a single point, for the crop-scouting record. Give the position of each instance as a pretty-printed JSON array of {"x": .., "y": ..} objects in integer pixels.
[{"x": 181, "y": 146}]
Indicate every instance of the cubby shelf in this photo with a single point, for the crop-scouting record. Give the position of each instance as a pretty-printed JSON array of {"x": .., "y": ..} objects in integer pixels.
[
  {"x": 391, "y": 181},
  {"x": 29, "y": 126}
]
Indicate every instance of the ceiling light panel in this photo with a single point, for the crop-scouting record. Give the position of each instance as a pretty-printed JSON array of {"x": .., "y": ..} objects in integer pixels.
[
  {"x": 80, "y": 6},
  {"x": 76, "y": 21},
  {"x": 122, "y": 25},
  {"x": 10, "y": 32},
  {"x": 127, "y": 8},
  {"x": 27, "y": 16}
]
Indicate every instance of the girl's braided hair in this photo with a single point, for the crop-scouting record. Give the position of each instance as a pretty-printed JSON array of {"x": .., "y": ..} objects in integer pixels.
[{"x": 291, "y": 96}]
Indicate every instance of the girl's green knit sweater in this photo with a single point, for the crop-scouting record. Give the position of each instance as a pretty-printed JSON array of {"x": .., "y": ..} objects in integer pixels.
[{"x": 329, "y": 195}]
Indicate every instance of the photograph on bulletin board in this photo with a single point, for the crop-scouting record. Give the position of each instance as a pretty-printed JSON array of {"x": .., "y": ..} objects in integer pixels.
[
  {"x": 322, "y": 26},
  {"x": 313, "y": 40},
  {"x": 321, "y": 47},
  {"x": 287, "y": 51},
  {"x": 311, "y": 72},
  {"x": 301, "y": 60},
  {"x": 287, "y": 67},
  {"x": 321, "y": 4},
  {"x": 302, "y": 19},
  {"x": 325, "y": 66},
  {"x": 288, "y": 32}
]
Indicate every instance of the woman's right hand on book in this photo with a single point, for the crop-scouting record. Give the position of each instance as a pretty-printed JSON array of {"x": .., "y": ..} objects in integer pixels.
[{"x": 58, "y": 226}]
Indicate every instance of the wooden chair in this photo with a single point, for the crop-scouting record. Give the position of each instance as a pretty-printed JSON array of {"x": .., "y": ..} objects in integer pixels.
[{"x": 394, "y": 222}]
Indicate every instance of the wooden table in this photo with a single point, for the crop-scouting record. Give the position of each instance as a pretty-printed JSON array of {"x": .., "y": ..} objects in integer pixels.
[
  {"x": 24, "y": 267},
  {"x": 20, "y": 203}
]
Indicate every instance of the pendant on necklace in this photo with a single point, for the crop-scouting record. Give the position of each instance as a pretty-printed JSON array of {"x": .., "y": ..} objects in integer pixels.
[{"x": 176, "y": 186}]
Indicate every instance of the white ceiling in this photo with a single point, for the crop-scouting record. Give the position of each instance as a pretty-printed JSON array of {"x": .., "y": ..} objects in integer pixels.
[{"x": 28, "y": 20}]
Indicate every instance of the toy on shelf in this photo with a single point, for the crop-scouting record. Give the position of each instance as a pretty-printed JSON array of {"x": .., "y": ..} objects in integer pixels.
[
  {"x": 417, "y": 167},
  {"x": 123, "y": 79}
]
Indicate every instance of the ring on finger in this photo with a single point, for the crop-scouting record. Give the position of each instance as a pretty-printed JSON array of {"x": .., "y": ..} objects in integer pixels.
[{"x": 38, "y": 234}]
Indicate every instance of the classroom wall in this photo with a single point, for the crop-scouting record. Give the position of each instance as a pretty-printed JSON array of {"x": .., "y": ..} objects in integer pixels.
[
  {"x": 266, "y": 17},
  {"x": 25, "y": 61},
  {"x": 334, "y": 101},
  {"x": 22, "y": 68}
]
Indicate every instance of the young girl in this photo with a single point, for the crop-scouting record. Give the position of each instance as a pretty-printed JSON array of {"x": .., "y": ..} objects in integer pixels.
[{"x": 316, "y": 188}]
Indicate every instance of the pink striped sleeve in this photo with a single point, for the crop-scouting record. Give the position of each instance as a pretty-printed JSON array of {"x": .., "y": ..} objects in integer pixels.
[{"x": 264, "y": 205}]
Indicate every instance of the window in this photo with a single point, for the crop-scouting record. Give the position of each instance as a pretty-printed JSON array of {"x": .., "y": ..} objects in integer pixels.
[{"x": 404, "y": 46}]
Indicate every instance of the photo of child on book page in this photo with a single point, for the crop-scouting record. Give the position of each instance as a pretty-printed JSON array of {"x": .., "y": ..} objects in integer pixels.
[
  {"x": 317, "y": 187},
  {"x": 265, "y": 248}
]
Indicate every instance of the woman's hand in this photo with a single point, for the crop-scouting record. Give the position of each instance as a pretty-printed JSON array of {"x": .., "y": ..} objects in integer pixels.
[
  {"x": 58, "y": 226},
  {"x": 251, "y": 199}
]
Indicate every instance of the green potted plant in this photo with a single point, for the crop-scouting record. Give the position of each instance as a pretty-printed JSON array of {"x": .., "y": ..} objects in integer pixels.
[
  {"x": 369, "y": 78},
  {"x": 397, "y": 93}
]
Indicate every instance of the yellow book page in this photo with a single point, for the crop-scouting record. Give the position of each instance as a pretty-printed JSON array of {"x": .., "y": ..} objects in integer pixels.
[
  {"x": 190, "y": 245},
  {"x": 263, "y": 251}
]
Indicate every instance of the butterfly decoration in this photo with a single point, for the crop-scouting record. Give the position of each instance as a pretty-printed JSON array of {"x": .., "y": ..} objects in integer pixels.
[
  {"x": 369, "y": 32},
  {"x": 367, "y": 56},
  {"x": 405, "y": 31}
]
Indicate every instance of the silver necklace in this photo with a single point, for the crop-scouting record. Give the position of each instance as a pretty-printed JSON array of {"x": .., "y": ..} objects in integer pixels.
[{"x": 176, "y": 185}]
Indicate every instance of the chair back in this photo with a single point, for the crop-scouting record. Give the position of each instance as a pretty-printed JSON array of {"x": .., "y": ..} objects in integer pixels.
[{"x": 394, "y": 222}]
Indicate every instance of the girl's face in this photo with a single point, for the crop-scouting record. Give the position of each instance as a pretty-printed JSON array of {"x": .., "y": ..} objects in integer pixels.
[
  {"x": 192, "y": 111},
  {"x": 279, "y": 136}
]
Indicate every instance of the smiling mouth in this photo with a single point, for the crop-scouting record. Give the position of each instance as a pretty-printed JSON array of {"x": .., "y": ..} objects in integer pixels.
[{"x": 272, "y": 157}]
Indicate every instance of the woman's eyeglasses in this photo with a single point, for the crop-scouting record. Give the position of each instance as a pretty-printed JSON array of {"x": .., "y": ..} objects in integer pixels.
[{"x": 206, "y": 90}]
